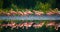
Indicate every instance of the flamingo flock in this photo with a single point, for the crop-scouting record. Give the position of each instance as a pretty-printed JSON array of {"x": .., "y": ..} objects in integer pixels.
[
  {"x": 28, "y": 12},
  {"x": 30, "y": 24}
]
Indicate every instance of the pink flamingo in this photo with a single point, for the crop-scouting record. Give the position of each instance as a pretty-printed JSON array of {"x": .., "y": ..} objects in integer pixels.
[
  {"x": 20, "y": 13},
  {"x": 8, "y": 14},
  {"x": 28, "y": 11},
  {"x": 38, "y": 12},
  {"x": 39, "y": 25},
  {"x": 50, "y": 24},
  {"x": 25, "y": 13},
  {"x": 49, "y": 13},
  {"x": 12, "y": 12},
  {"x": 12, "y": 25}
]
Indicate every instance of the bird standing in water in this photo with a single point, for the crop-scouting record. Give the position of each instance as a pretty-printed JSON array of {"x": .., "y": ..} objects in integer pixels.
[
  {"x": 38, "y": 12},
  {"x": 12, "y": 12}
]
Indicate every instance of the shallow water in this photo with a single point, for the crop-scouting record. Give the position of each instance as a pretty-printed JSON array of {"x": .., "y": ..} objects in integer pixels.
[{"x": 31, "y": 17}]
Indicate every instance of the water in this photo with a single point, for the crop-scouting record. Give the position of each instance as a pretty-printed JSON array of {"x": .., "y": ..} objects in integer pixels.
[{"x": 31, "y": 17}]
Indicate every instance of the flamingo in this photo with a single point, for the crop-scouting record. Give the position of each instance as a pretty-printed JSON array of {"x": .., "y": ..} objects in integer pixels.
[
  {"x": 30, "y": 24},
  {"x": 25, "y": 13},
  {"x": 20, "y": 13},
  {"x": 57, "y": 26},
  {"x": 49, "y": 13},
  {"x": 18, "y": 25},
  {"x": 41, "y": 24},
  {"x": 58, "y": 13},
  {"x": 41, "y": 13},
  {"x": 35, "y": 12},
  {"x": 50, "y": 24},
  {"x": 35, "y": 25},
  {"x": 26, "y": 25},
  {"x": 3, "y": 13},
  {"x": 12, "y": 12},
  {"x": 29, "y": 12},
  {"x": 12, "y": 25},
  {"x": 8, "y": 14},
  {"x": 38, "y": 12},
  {"x": 38, "y": 25},
  {"x": 4, "y": 25}
]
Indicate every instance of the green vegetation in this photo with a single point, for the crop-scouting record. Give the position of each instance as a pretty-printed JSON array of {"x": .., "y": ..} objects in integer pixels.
[{"x": 29, "y": 4}]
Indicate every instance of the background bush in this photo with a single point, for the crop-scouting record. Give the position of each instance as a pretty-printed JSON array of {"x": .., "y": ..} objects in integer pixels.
[{"x": 30, "y": 4}]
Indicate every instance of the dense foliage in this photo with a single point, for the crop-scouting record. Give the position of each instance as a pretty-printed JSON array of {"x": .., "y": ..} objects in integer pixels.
[{"x": 30, "y": 4}]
